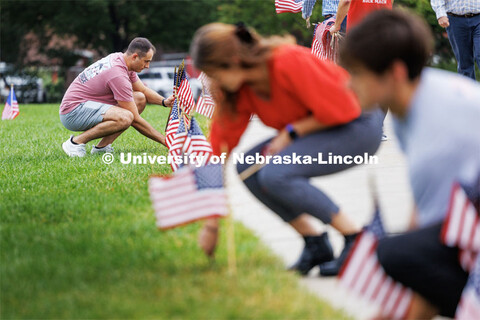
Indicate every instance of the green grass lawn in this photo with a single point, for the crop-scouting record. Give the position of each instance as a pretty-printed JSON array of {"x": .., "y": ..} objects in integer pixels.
[{"x": 78, "y": 240}]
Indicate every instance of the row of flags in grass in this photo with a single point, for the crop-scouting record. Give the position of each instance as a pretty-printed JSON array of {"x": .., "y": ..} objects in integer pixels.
[
  {"x": 189, "y": 194},
  {"x": 363, "y": 275},
  {"x": 11, "y": 110}
]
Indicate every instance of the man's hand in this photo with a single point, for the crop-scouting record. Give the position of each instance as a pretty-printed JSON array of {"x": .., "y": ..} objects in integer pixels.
[
  {"x": 169, "y": 101},
  {"x": 443, "y": 22},
  {"x": 278, "y": 143}
]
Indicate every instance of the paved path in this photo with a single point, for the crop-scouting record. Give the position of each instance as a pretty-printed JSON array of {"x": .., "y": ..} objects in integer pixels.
[{"x": 349, "y": 190}]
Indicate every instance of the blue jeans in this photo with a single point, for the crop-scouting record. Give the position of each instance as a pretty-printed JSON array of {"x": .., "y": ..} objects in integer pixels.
[
  {"x": 286, "y": 189},
  {"x": 464, "y": 36}
]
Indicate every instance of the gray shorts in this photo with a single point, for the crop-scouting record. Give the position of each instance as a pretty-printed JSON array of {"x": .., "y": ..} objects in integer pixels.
[{"x": 85, "y": 116}]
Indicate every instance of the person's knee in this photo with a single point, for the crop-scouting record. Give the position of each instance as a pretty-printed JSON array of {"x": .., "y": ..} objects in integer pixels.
[
  {"x": 271, "y": 178},
  {"x": 125, "y": 119},
  {"x": 140, "y": 100}
]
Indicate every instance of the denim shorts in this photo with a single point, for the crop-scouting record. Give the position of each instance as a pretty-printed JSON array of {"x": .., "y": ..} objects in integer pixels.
[{"x": 85, "y": 116}]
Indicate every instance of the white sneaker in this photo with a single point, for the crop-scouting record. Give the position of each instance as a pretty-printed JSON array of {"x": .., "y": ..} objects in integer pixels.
[
  {"x": 74, "y": 150},
  {"x": 107, "y": 148}
]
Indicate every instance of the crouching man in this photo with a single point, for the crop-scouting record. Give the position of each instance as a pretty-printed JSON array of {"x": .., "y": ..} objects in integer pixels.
[{"x": 107, "y": 98}]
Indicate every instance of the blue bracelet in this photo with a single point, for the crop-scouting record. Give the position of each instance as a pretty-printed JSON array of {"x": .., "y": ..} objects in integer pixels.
[{"x": 291, "y": 131}]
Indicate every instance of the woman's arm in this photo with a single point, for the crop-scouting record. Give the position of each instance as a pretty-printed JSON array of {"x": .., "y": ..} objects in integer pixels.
[{"x": 302, "y": 128}]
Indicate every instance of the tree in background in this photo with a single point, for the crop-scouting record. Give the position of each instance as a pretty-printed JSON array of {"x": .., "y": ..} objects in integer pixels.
[
  {"x": 262, "y": 17},
  {"x": 56, "y": 27},
  {"x": 101, "y": 25}
]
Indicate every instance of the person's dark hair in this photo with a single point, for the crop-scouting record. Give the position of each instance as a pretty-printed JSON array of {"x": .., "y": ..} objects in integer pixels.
[
  {"x": 385, "y": 36},
  {"x": 141, "y": 46}
]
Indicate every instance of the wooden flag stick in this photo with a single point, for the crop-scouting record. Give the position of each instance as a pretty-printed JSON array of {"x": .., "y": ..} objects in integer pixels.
[
  {"x": 247, "y": 173},
  {"x": 231, "y": 247}
]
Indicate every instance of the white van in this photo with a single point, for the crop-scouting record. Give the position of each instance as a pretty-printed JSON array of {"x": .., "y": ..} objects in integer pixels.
[{"x": 160, "y": 79}]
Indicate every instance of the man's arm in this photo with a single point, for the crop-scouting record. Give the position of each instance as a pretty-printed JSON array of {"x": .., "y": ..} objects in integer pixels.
[
  {"x": 342, "y": 11},
  {"x": 439, "y": 7},
  {"x": 152, "y": 96},
  {"x": 140, "y": 124}
]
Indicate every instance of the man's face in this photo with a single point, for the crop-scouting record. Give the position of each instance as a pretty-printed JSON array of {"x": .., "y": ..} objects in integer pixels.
[
  {"x": 142, "y": 63},
  {"x": 371, "y": 89}
]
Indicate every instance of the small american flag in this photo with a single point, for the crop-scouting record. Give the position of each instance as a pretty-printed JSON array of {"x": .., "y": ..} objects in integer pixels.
[
  {"x": 196, "y": 144},
  {"x": 188, "y": 195},
  {"x": 205, "y": 82},
  {"x": 324, "y": 46},
  {"x": 172, "y": 125},
  {"x": 363, "y": 274},
  {"x": 11, "y": 110},
  {"x": 185, "y": 96},
  {"x": 294, "y": 6},
  {"x": 205, "y": 105},
  {"x": 177, "y": 147},
  {"x": 462, "y": 227},
  {"x": 469, "y": 306}
]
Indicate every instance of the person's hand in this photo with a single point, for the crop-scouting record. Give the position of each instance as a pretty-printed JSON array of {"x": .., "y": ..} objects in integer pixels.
[
  {"x": 169, "y": 101},
  {"x": 208, "y": 237},
  {"x": 280, "y": 142},
  {"x": 443, "y": 22},
  {"x": 334, "y": 29}
]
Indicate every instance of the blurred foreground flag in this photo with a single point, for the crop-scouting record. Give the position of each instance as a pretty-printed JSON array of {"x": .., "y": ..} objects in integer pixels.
[
  {"x": 462, "y": 227},
  {"x": 469, "y": 306},
  {"x": 363, "y": 275},
  {"x": 188, "y": 195},
  {"x": 10, "y": 111},
  {"x": 294, "y": 6}
]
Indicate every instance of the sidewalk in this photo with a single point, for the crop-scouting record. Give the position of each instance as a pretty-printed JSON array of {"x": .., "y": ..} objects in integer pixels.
[{"x": 350, "y": 190}]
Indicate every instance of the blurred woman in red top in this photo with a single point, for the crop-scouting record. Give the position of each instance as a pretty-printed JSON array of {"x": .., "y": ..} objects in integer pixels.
[{"x": 308, "y": 102}]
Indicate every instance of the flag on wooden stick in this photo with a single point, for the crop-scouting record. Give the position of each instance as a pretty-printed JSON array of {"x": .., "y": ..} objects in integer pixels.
[
  {"x": 176, "y": 150},
  {"x": 172, "y": 125},
  {"x": 205, "y": 105},
  {"x": 188, "y": 195},
  {"x": 461, "y": 227},
  {"x": 282, "y": 6},
  {"x": 196, "y": 144},
  {"x": 185, "y": 95},
  {"x": 324, "y": 45},
  {"x": 11, "y": 110},
  {"x": 363, "y": 275}
]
